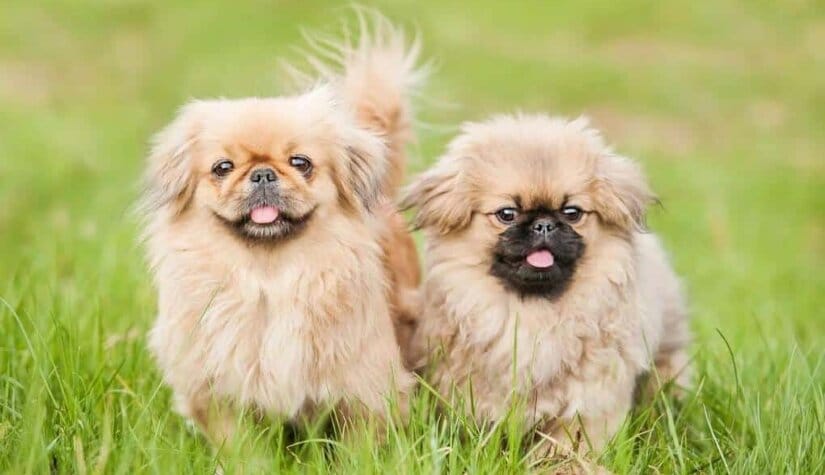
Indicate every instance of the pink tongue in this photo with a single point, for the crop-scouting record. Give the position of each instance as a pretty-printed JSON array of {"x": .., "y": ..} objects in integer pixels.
[
  {"x": 264, "y": 214},
  {"x": 541, "y": 259}
]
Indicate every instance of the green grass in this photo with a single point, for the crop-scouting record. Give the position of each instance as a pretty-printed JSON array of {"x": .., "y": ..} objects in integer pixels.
[{"x": 723, "y": 103}]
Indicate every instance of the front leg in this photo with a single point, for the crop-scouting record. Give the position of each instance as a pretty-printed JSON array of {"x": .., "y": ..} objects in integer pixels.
[
  {"x": 216, "y": 421},
  {"x": 590, "y": 434},
  {"x": 601, "y": 407},
  {"x": 377, "y": 387}
]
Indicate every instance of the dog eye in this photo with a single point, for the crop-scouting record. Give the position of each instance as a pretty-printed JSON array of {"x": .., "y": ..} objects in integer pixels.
[
  {"x": 301, "y": 163},
  {"x": 223, "y": 167},
  {"x": 507, "y": 215},
  {"x": 572, "y": 214}
]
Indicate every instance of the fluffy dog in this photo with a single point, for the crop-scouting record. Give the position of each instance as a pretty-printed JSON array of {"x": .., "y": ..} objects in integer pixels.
[
  {"x": 541, "y": 283},
  {"x": 279, "y": 264}
]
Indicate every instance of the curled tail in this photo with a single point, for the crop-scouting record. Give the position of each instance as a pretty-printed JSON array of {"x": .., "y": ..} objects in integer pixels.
[
  {"x": 376, "y": 76},
  {"x": 380, "y": 75}
]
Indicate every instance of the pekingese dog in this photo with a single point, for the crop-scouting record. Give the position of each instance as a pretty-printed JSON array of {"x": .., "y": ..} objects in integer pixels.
[
  {"x": 541, "y": 282},
  {"x": 282, "y": 269}
]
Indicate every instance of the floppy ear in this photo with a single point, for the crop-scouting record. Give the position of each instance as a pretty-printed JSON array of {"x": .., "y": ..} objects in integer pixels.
[
  {"x": 621, "y": 192},
  {"x": 362, "y": 165},
  {"x": 365, "y": 169},
  {"x": 441, "y": 197},
  {"x": 168, "y": 180}
]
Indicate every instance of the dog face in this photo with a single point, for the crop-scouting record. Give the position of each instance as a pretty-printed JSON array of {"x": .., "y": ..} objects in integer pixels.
[
  {"x": 531, "y": 198},
  {"x": 265, "y": 168}
]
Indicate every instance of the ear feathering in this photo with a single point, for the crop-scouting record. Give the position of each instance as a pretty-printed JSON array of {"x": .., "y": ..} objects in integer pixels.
[
  {"x": 619, "y": 186},
  {"x": 441, "y": 197},
  {"x": 366, "y": 167},
  {"x": 168, "y": 180},
  {"x": 622, "y": 192},
  {"x": 364, "y": 160}
]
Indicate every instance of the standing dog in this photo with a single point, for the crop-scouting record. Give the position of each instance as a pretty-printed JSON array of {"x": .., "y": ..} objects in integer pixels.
[
  {"x": 541, "y": 283},
  {"x": 280, "y": 266}
]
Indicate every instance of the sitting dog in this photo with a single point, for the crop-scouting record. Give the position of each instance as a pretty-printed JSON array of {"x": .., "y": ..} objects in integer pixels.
[
  {"x": 541, "y": 282},
  {"x": 280, "y": 264}
]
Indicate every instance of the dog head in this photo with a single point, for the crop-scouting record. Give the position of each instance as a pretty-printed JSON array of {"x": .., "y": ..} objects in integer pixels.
[
  {"x": 531, "y": 198},
  {"x": 265, "y": 168}
]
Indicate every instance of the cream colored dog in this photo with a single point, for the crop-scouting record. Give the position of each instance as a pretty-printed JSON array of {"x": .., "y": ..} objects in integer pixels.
[
  {"x": 541, "y": 283},
  {"x": 273, "y": 246}
]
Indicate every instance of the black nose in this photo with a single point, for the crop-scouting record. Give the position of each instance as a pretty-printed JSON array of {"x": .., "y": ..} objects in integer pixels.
[
  {"x": 543, "y": 226},
  {"x": 263, "y": 175}
]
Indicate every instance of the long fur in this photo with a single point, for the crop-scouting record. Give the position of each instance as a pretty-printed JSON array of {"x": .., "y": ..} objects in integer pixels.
[
  {"x": 573, "y": 360},
  {"x": 287, "y": 327}
]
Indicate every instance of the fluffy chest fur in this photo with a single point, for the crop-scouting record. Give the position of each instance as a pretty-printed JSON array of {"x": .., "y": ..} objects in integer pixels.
[
  {"x": 273, "y": 330},
  {"x": 553, "y": 353},
  {"x": 258, "y": 335}
]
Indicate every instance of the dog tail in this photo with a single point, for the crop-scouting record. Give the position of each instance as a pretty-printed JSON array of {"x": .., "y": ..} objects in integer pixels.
[
  {"x": 380, "y": 77},
  {"x": 377, "y": 74}
]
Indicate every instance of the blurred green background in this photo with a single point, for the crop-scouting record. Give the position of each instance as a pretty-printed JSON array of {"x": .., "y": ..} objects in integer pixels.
[{"x": 723, "y": 102}]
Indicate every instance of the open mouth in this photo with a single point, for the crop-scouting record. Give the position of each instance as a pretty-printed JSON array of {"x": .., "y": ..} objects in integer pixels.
[
  {"x": 536, "y": 265},
  {"x": 538, "y": 272},
  {"x": 540, "y": 259},
  {"x": 264, "y": 214},
  {"x": 268, "y": 222}
]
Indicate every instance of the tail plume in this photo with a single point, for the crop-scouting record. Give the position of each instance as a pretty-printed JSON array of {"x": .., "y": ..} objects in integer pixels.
[{"x": 377, "y": 75}]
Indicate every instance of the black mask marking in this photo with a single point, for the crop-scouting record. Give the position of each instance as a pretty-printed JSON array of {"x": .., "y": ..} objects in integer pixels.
[{"x": 537, "y": 230}]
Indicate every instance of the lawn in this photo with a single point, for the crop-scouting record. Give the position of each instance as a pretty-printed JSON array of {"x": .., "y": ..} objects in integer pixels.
[{"x": 723, "y": 102}]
